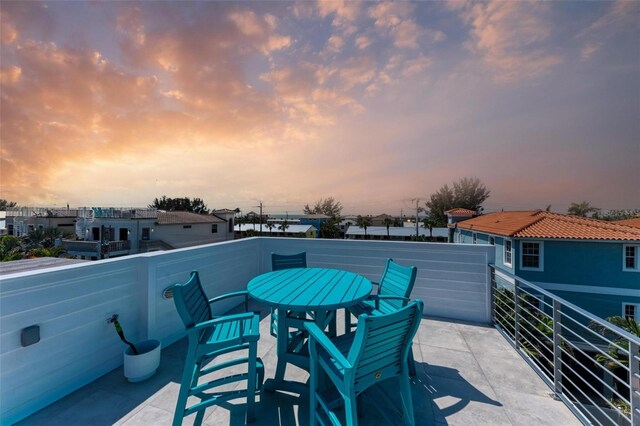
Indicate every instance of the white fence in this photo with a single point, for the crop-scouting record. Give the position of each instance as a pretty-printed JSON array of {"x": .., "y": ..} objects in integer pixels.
[{"x": 71, "y": 304}]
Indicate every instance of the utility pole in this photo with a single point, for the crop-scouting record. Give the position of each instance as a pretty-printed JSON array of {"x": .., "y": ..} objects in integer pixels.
[
  {"x": 417, "y": 210},
  {"x": 260, "y": 217}
]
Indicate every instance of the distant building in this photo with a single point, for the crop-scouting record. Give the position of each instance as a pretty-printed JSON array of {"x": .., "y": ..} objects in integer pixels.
[
  {"x": 299, "y": 231},
  {"x": 397, "y": 233},
  {"x": 591, "y": 263}
]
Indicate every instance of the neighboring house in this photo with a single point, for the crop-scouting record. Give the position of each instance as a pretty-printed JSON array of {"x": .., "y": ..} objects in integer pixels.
[
  {"x": 110, "y": 232},
  {"x": 227, "y": 215},
  {"x": 379, "y": 220},
  {"x": 21, "y": 221},
  {"x": 635, "y": 222},
  {"x": 396, "y": 233},
  {"x": 298, "y": 231},
  {"x": 591, "y": 263},
  {"x": 315, "y": 220},
  {"x": 185, "y": 229},
  {"x": 458, "y": 215}
]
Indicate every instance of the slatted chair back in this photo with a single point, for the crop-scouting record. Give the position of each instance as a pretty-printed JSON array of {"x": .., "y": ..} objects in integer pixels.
[
  {"x": 288, "y": 261},
  {"x": 382, "y": 344},
  {"x": 191, "y": 301},
  {"x": 397, "y": 280}
]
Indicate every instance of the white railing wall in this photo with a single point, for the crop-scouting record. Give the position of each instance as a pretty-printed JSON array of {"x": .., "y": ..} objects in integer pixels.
[
  {"x": 72, "y": 303},
  {"x": 452, "y": 279}
]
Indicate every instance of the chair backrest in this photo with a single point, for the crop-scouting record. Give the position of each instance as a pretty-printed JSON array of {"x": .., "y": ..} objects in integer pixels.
[
  {"x": 288, "y": 261},
  {"x": 191, "y": 301},
  {"x": 397, "y": 280},
  {"x": 382, "y": 343}
]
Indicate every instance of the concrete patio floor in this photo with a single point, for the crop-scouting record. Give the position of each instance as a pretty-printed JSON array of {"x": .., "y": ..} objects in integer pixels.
[{"x": 467, "y": 375}]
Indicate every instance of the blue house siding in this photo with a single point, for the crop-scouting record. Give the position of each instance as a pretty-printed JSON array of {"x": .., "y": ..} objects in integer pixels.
[
  {"x": 594, "y": 269},
  {"x": 583, "y": 263}
]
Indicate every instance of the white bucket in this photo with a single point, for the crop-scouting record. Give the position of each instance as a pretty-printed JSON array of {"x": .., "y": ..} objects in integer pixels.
[{"x": 142, "y": 366}]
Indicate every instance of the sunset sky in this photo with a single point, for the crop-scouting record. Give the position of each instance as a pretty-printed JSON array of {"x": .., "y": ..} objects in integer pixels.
[{"x": 116, "y": 103}]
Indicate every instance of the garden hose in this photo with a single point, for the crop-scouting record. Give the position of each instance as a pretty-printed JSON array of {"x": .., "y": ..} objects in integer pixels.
[{"x": 116, "y": 324}]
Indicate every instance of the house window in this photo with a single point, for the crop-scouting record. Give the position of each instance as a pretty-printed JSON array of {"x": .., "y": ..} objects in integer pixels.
[
  {"x": 474, "y": 238},
  {"x": 531, "y": 258},
  {"x": 492, "y": 241},
  {"x": 630, "y": 311},
  {"x": 507, "y": 252},
  {"x": 186, "y": 226},
  {"x": 146, "y": 233},
  {"x": 214, "y": 228},
  {"x": 630, "y": 257}
]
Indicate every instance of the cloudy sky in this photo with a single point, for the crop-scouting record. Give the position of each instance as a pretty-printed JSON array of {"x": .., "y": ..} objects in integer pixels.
[{"x": 115, "y": 103}]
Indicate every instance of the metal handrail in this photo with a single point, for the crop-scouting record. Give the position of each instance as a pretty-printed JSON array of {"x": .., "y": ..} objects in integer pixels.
[{"x": 569, "y": 347}]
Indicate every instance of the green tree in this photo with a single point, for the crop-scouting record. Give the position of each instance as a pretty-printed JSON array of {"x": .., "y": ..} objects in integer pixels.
[
  {"x": 283, "y": 226},
  {"x": 184, "y": 204},
  {"x": 327, "y": 206},
  {"x": 4, "y": 204},
  {"x": 330, "y": 229},
  {"x": 270, "y": 226},
  {"x": 364, "y": 222},
  {"x": 428, "y": 224},
  {"x": 582, "y": 209},
  {"x": 467, "y": 193},
  {"x": 614, "y": 215},
  {"x": 11, "y": 248},
  {"x": 387, "y": 221}
]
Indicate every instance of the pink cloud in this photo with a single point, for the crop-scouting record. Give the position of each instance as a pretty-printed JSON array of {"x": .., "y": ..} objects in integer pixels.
[{"x": 510, "y": 36}]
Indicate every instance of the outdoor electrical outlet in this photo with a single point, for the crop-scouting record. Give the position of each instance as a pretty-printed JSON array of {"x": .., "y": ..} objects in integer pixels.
[{"x": 112, "y": 319}]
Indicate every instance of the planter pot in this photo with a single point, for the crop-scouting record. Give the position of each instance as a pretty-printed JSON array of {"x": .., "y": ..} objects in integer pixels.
[{"x": 142, "y": 366}]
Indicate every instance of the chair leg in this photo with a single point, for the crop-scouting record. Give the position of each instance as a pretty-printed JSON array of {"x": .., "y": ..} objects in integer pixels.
[
  {"x": 347, "y": 321},
  {"x": 189, "y": 376},
  {"x": 351, "y": 410},
  {"x": 407, "y": 401},
  {"x": 313, "y": 387},
  {"x": 412, "y": 363},
  {"x": 251, "y": 382}
]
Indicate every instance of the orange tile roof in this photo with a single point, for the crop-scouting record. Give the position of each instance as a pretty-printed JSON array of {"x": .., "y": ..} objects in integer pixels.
[
  {"x": 459, "y": 211},
  {"x": 635, "y": 222},
  {"x": 540, "y": 224}
]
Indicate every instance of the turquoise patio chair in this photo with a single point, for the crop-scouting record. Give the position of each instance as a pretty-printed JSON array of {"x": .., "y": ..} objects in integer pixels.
[
  {"x": 278, "y": 263},
  {"x": 394, "y": 287},
  {"x": 353, "y": 362},
  {"x": 209, "y": 337}
]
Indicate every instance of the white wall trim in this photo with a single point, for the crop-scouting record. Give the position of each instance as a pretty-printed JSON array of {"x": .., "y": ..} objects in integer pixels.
[{"x": 608, "y": 291}]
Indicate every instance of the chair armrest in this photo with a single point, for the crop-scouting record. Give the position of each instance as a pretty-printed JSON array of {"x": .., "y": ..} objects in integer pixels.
[
  {"x": 318, "y": 335},
  {"x": 230, "y": 295},
  {"x": 222, "y": 320}
]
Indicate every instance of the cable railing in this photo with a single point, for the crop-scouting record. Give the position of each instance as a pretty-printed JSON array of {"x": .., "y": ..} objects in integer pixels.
[{"x": 592, "y": 365}]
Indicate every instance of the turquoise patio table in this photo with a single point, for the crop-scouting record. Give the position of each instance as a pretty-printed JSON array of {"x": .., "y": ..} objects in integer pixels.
[{"x": 319, "y": 291}]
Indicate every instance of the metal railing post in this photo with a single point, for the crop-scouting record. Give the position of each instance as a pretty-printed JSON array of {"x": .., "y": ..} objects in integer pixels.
[
  {"x": 516, "y": 314},
  {"x": 492, "y": 275},
  {"x": 557, "y": 352},
  {"x": 634, "y": 382}
]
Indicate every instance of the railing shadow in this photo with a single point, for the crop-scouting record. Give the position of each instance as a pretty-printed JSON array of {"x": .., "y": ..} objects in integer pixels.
[{"x": 436, "y": 381}]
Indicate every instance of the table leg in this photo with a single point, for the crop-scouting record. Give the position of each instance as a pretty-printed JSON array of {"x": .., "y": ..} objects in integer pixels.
[{"x": 278, "y": 382}]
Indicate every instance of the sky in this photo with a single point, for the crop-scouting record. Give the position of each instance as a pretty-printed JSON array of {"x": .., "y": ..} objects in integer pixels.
[{"x": 372, "y": 103}]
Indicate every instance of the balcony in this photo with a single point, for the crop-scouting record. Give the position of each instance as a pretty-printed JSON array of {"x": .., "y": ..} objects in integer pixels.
[{"x": 468, "y": 372}]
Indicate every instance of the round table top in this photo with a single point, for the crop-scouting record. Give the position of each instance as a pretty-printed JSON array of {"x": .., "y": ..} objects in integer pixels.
[{"x": 309, "y": 289}]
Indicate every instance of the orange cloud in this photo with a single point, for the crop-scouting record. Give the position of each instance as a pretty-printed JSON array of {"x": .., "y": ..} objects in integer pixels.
[{"x": 509, "y": 37}]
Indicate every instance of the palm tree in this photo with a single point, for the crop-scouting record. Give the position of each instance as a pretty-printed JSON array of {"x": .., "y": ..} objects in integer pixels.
[
  {"x": 428, "y": 224},
  {"x": 614, "y": 358},
  {"x": 270, "y": 227},
  {"x": 283, "y": 226},
  {"x": 582, "y": 209},
  {"x": 364, "y": 222},
  {"x": 388, "y": 222}
]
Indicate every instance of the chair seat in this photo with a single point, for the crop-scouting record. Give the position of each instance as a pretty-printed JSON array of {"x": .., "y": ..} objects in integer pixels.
[{"x": 236, "y": 330}]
